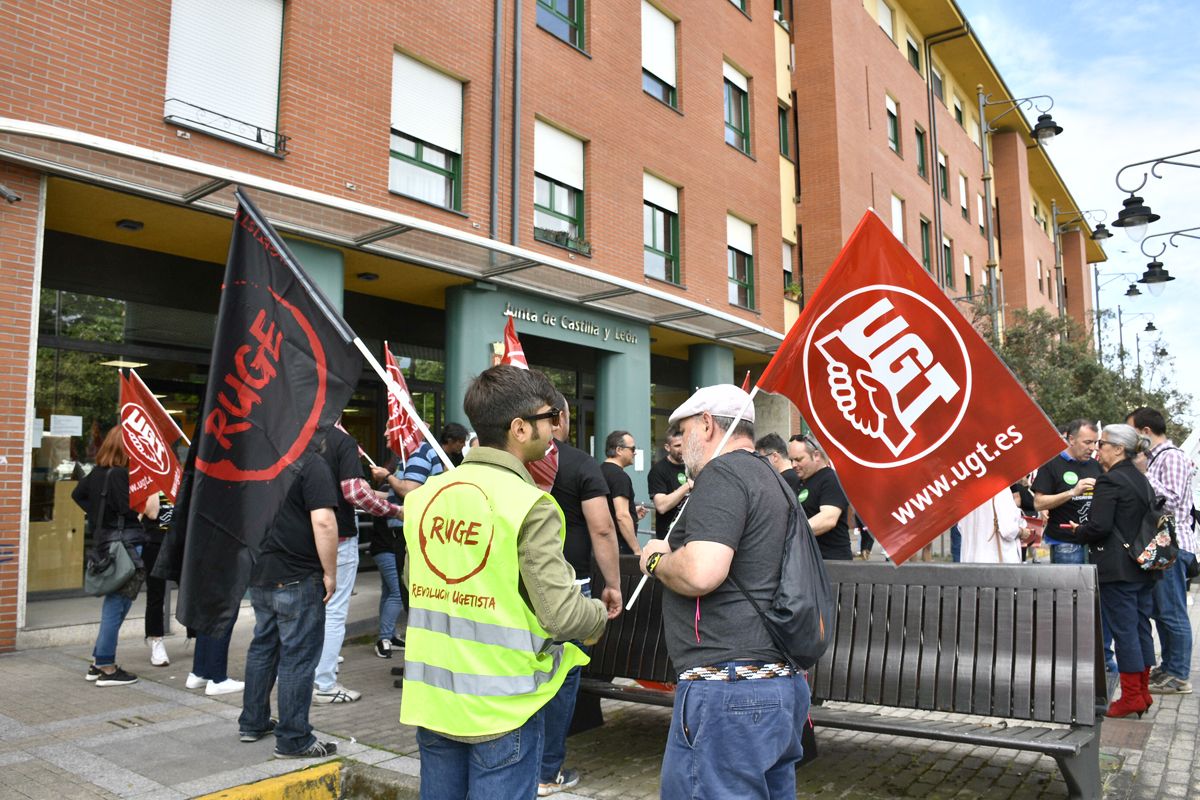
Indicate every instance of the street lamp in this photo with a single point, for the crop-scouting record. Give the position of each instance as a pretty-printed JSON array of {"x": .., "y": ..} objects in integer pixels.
[
  {"x": 1150, "y": 328},
  {"x": 1135, "y": 215},
  {"x": 1076, "y": 216},
  {"x": 1156, "y": 276},
  {"x": 1045, "y": 130},
  {"x": 1132, "y": 291}
]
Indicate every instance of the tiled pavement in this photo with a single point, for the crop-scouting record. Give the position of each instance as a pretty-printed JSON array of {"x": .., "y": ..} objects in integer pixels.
[{"x": 61, "y": 737}]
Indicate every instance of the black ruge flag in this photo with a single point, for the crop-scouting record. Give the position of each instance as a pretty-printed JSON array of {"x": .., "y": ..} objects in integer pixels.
[{"x": 284, "y": 364}]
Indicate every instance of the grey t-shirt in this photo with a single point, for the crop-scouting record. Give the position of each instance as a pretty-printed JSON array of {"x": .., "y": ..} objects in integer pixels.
[{"x": 737, "y": 501}]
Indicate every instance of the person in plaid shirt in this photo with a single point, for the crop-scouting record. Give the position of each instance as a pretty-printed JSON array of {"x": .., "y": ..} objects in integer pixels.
[{"x": 1170, "y": 473}]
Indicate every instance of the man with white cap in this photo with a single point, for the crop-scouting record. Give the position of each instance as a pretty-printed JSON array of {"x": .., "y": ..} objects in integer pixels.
[{"x": 732, "y": 527}]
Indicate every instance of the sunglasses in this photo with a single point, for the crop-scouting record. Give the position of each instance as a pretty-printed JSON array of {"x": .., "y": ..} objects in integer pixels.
[{"x": 551, "y": 414}]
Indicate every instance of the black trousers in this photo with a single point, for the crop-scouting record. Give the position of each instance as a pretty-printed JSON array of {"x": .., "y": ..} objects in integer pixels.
[{"x": 156, "y": 592}]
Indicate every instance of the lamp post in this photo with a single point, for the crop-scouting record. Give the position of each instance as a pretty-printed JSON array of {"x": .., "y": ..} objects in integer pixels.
[
  {"x": 1156, "y": 274},
  {"x": 1043, "y": 132},
  {"x": 1150, "y": 328},
  {"x": 1135, "y": 215},
  {"x": 1099, "y": 233},
  {"x": 1132, "y": 291}
]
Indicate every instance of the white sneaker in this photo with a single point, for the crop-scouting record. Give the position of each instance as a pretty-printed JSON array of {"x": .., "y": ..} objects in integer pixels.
[
  {"x": 227, "y": 686},
  {"x": 338, "y": 694},
  {"x": 194, "y": 682},
  {"x": 158, "y": 652}
]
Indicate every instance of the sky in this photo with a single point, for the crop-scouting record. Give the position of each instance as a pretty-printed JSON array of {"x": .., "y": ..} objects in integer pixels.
[{"x": 1125, "y": 79}]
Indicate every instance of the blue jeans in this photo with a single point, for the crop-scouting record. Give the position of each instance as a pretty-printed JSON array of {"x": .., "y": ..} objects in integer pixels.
[
  {"x": 735, "y": 739},
  {"x": 335, "y": 613},
  {"x": 289, "y": 623},
  {"x": 500, "y": 768},
  {"x": 1067, "y": 554},
  {"x": 391, "y": 604},
  {"x": 1127, "y": 606},
  {"x": 112, "y": 614},
  {"x": 211, "y": 657},
  {"x": 558, "y": 712},
  {"x": 955, "y": 544},
  {"x": 1171, "y": 618}
]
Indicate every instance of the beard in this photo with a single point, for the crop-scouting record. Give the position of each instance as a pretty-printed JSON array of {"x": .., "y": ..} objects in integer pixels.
[{"x": 694, "y": 457}]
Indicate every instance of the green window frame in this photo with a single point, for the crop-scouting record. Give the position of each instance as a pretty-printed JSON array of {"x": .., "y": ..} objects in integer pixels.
[
  {"x": 926, "y": 244},
  {"x": 939, "y": 86},
  {"x": 444, "y": 164},
  {"x": 741, "y": 277},
  {"x": 785, "y": 137},
  {"x": 970, "y": 278},
  {"x": 558, "y": 214},
  {"x": 563, "y": 19},
  {"x": 893, "y": 126},
  {"x": 658, "y": 89},
  {"x": 914, "y": 55},
  {"x": 944, "y": 177},
  {"x": 737, "y": 117},
  {"x": 922, "y": 158},
  {"x": 948, "y": 261},
  {"x": 660, "y": 243},
  {"x": 740, "y": 5}
]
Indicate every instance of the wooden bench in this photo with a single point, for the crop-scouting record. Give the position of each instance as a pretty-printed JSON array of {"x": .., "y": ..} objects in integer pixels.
[{"x": 1020, "y": 643}]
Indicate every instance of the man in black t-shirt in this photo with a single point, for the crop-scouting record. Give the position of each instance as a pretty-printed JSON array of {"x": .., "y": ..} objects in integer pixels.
[
  {"x": 822, "y": 499},
  {"x": 774, "y": 449},
  {"x": 619, "y": 450},
  {"x": 1063, "y": 486},
  {"x": 294, "y": 575},
  {"x": 668, "y": 483}
]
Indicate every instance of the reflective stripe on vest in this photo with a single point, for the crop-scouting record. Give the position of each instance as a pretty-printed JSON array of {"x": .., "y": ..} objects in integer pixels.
[
  {"x": 480, "y": 685},
  {"x": 482, "y": 632}
]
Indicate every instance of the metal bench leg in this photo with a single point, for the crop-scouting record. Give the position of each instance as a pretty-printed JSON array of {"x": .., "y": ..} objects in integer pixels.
[{"x": 1082, "y": 771}]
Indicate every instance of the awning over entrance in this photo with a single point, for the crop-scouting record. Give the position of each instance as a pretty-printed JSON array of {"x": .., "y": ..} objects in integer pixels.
[{"x": 344, "y": 223}]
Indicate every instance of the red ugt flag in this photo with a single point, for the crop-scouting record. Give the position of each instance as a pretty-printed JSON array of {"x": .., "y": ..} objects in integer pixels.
[
  {"x": 148, "y": 432},
  {"x": 402, "y": 435},
  {"x": 513, "y": 354},
  {"x": 921, "y": 420}
]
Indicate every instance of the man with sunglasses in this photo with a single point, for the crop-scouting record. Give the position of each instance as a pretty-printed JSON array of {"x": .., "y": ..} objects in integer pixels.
[
  {"x": 493, "y": 603},
  {"x": 619, "y": 452},
  {"x": 1064, "y": 488}
]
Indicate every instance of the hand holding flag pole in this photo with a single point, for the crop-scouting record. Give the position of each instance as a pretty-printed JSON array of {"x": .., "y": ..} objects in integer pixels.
[{"x": 716, "y": 452}]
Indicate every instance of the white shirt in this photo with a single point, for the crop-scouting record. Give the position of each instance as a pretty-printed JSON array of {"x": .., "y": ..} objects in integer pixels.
[{"x": 978, "y": 529}]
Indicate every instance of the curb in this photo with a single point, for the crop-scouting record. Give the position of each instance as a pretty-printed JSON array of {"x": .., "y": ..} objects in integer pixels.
[{"x": 322, "y": 782}]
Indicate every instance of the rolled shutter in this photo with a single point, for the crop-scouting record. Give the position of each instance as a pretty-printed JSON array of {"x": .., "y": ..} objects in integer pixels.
[
  {"x": 658, "y": 44},
  {"x": 736, "y": 78},
  {"x": 660, "y": 193},
  {"x": 557, "y": 155},
  {"x": 739, "y": 235},
  {"x": 426, "y": 104}
]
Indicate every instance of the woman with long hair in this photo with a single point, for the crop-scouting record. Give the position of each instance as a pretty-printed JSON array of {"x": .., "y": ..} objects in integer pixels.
[
  {"x": 1121, "y": 499},
  {"x": 104, "y": 496}
]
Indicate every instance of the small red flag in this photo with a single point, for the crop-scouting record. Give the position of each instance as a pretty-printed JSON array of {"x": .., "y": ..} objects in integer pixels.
[
  {"x": 513, "y": 354},
  {"x": 153, "y": 467},
  {"x": 545, "y": 469},
  {"x": 403, "y": 437},
  {"x": 746, "y": 382},
  {"x": 922, "y": 421}
]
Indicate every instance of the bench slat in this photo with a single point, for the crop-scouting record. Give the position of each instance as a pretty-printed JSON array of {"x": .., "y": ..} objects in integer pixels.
[
  {"x": 1088, "y": 622},
  {"x": 930, "y": 649},
  {"x": 845, "y": 634},
  {"x": 1043, "y": 676},
  {"x": 860, "y": 649},
  {"x": 968, "y": 609},
  {"x": 877, "y": 655},
  {"x": 948, "y": 661},
  {"x": 1023, "y": 655},
  {"x": 985, "y": 638},
  {"x": 1065, "y": 646},
  {"x": 894, "y": 659},
  {"x": 1002, "y": 673},
  {"x": 911, "y": 663}
]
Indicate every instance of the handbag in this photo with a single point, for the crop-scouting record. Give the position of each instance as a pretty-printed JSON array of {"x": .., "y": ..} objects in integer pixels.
[
  {"x": 108, "y": 572},
  {"x": 1154, "y": 547}
]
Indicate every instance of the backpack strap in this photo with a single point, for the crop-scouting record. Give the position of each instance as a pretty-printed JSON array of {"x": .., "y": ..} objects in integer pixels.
[{"x": 1149, "y": 499}]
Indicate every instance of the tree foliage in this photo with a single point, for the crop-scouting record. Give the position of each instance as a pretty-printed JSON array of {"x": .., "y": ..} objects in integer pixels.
[{"x": 1053, "y": 359}]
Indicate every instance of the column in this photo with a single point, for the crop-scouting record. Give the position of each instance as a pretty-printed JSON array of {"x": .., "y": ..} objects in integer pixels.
[
  {"x": 324, "y": 265},
  {"x": 471, "y": 327},
  {"x": 710, "y": 364},
  {"x": 623, "y": 403}
]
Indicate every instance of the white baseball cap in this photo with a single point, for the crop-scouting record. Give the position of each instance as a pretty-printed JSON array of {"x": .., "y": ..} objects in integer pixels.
[{"x": 722, "y": 400}]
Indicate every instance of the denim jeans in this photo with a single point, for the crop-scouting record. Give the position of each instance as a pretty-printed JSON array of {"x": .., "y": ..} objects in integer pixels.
[
  {"x": 558, "y": 712},
  {"x": 335, "y": 613},
  {"x": 955, "y": 544},
  {"x": 391, "y": 604},
  {"x": 1110, "y": 661},
  {"x": 1067, "y": 554},
  {"x": 1127, "y": 606},
  {"x": 289, "y": 623},
  {"x": 735, "y": 739},
  {"x": 211, "y": 657},
  {"x": 500, "y": 768},
  {"x": 1171, "y": 618},
  {"x": 112, "y": 614}
]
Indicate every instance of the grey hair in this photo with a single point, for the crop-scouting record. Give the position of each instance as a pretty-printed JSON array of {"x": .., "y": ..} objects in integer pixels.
[
  {"x": 1127, "y": 438},
  {"x": 744, "y": 427}
]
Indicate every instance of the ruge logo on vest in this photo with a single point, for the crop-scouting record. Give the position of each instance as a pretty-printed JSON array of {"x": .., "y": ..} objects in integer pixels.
[{"x": 456, "y": 537}]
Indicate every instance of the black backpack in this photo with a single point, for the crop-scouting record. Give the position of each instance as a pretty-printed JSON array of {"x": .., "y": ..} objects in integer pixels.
[{"x": 800, "y": 618}]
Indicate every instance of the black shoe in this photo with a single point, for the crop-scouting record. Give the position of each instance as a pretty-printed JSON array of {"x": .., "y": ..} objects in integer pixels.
[
  {"x": 93, "y": 673},
  {"x": 117, "y": 678},
  {"x": 254, "y": 736},
  {"x": 314, "y": 750},
  {"x": 397, "y": 641},
  {"x": 383, "y": 648}
]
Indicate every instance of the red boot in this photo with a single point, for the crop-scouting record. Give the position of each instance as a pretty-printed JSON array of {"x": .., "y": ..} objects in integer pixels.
[
  {"x": 1144, "y": 684},
  {"x": 1131, "y": 701}
]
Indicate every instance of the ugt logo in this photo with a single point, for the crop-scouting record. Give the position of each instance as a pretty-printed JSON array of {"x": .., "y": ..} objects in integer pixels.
[
  {"x": 151, "y": 452},
  {"x": 888, "y": 376}
]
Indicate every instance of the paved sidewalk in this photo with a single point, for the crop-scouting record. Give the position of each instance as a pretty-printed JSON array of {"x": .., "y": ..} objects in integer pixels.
[{"x": 61, "y": 737}]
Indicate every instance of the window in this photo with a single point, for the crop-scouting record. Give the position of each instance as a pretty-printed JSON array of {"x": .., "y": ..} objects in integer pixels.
[
  {"x": 948, "y": 260},
  {"x": 886, "y": 20},
  {"x": 563, "y": 18},
  {"x": 914, "y": 55},
  {"x": 926, "y": 244},
  {"x": 970, "y": 275},
  {"x": 789, "y": 279},
  {"x": 979, "y": 213},
  {"x": 740, "y": 260},
  {"x": 922, "y": 163},
  {"x": 426, "y": 134},
  {"x": 893, "y": 125},
  {"x": 205, "y": 50},
  {"x": 943, "y": 176},
  {"x": 658, "y": 55},
  {"x": 785, "y": 137},
  {"x": 935, "y": 78},
  {"x": 558, "y": 188},
  {"x": 660, "y": 229},
  {"x": 740, "y": 5},
  {"x": 963, "y": 203},
  {"x": 958, "y": 112},
  {"x": 898, "y": 217},
  {"x": 1041, "y": 286},
  {"x": 737, "y": 109}
]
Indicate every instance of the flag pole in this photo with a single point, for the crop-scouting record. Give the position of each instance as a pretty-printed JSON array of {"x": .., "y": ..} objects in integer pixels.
[{"x": 716, "y": 452}]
